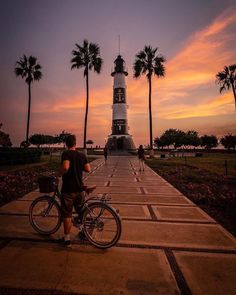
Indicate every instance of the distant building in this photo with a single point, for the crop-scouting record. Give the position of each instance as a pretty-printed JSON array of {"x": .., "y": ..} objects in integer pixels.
[{"x": 120, "y": 139}]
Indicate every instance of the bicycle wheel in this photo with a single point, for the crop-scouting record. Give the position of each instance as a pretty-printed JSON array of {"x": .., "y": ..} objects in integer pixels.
[
  {"x": 45, "y": 215},
  {"x": 102, "y": 225}
]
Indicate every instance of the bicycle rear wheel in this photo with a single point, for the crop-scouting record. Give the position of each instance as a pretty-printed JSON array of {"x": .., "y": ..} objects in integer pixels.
[
  {"x": 102, "y": 225},
  {"x": 45, "y": 215}
]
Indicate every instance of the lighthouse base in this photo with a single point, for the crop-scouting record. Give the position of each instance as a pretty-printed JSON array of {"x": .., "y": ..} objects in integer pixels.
[{"x": 120, "y": 142}]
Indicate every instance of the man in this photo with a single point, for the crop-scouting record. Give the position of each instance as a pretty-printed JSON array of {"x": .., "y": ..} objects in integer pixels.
[
  {"x": 141, "y": 157},
  {"x": 73, "y": 163},
  {"x": 105, "y": 153}
]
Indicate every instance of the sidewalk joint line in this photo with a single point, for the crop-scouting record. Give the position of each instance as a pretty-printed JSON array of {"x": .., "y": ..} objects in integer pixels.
[
  {"x": 152, "y": 213},
  {"x": 179, "y": 277}
]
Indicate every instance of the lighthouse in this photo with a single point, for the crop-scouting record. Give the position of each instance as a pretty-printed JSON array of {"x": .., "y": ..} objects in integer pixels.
[{"x": 120, "y": 139}]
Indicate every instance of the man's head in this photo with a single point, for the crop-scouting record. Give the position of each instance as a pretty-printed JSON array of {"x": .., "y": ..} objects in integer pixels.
[{"x": 71, "y": 141}]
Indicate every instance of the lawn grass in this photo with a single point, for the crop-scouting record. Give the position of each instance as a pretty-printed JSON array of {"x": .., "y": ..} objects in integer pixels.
[
  {"x": 213, "y": 162},
  {"x": 203, "y": 183}
]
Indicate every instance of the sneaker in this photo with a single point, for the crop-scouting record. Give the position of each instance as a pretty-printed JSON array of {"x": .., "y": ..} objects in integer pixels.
[{"x": 63, "y": 242}]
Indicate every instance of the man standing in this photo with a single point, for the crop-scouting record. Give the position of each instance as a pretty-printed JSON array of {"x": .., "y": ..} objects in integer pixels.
[
  {"x": 73, "y": 163},
  {"x": 105, "y": 152}
]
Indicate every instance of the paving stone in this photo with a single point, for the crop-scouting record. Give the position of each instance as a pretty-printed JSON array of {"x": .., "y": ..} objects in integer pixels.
[
  {"x": 118, "y": 189},
  {"x": 95, "y": 182},
  {"x": 208, "y": 273},
  {"x": 181, "y": 213},
  {"x": 99, "y": 178},
  {"x": 133, "y": 211},
  {"x": 16, "y": 207},
  {"x": 32, "y": 195},
  {"x": 84, "y": 269},
  {"x": 163, "y": 190},
  {"x": 17, "y": 226},
  {"x": 207, "y": 236},
  {"x": 137, "y": 184},
  {"x": 150, "y": 199},
  {"x": 125, "y": 211},
  {"x": 124, "y": 180}
]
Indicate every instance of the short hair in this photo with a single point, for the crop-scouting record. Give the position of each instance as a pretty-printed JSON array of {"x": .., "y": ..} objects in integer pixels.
[{"x": 70, "y": 140}]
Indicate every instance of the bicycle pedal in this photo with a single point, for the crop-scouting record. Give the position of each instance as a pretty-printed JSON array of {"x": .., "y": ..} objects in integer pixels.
[{"x": 76, "y": 222}]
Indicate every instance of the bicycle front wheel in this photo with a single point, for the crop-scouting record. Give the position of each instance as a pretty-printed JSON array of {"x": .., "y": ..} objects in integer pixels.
[
  {"x": 45, "y": 215},
  {"x": 102, "y": 225}
]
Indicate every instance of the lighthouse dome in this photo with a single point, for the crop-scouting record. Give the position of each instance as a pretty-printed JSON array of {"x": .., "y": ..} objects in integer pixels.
[{"x": 119, "y": 66}]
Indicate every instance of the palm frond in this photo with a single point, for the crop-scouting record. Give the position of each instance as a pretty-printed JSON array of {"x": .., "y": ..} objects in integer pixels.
[
  {"x": 37, "y": 75},
  {"x": 28, "y": 68},
  {"x": 87, "y": 56},
  {"x": 137, "y": 67},
  {"x": 148, "y": 62},
  {"x": 32, "y": 60},
  {"x": 97, "y": 64},
  {"x": 232, "y": 68},
  {"x": 19, "y": 72}
]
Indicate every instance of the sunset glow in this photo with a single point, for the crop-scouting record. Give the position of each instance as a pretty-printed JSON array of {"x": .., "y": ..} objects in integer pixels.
[{"x": 186, "y": 98}]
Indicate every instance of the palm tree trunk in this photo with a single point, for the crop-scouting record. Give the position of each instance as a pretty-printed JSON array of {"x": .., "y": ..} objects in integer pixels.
[
  {"x": 232, "y": 84},
  {"x": 150, "y": 110},
  {"x": 28, "y": 118},
  {"x": 86, "y": 111}
]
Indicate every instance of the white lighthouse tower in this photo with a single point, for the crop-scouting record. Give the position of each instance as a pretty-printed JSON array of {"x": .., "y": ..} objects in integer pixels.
[{"x": 120, "y": 139}]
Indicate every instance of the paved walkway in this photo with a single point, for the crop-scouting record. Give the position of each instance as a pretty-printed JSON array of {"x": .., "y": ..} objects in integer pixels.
[{"x": 168, "y": 245}]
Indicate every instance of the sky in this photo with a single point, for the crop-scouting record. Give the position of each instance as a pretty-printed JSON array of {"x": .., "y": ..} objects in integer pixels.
[{"x": 196, "y": 37}]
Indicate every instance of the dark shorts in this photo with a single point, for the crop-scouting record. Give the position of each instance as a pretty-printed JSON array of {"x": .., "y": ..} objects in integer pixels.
[{"x": 68, "y": 201}]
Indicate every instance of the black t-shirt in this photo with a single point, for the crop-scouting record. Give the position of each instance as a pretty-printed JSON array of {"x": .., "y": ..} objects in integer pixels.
[
  {"x": 72, "y": 179},
  {"x": 141, "y": 153}
]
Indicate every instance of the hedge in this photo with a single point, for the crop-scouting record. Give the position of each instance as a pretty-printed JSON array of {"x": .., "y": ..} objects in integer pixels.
[{"x": 12, "y": 156}]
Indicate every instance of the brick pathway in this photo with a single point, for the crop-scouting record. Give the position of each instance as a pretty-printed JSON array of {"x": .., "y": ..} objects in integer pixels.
[{"x": 168, "y": 245}]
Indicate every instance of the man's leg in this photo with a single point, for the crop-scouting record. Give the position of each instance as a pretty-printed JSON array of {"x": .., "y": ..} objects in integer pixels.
[
  {"x": 143, "y": 164},
  {"x": 67, "y": 225},
  {"x": 67, "y": 206}
]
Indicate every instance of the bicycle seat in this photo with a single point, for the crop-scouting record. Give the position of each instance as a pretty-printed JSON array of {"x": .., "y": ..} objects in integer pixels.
[{"x": 89, "y": 189}]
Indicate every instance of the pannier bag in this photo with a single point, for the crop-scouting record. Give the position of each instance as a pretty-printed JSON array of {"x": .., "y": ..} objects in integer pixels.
[{"x": 46, "y": 184}]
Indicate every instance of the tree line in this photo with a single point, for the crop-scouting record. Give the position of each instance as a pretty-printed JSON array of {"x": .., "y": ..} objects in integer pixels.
[
  {"x": 87, "y": 56},
  {"x": 45, "y": 139},
  {"x": 180, "y": 139}
]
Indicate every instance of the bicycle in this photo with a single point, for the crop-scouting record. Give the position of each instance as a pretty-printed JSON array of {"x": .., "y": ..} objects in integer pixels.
[{"x": 100, "y": 223}]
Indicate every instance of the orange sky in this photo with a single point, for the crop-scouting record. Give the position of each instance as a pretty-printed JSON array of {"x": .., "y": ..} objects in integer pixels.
[{"x": 187, "y": 98}]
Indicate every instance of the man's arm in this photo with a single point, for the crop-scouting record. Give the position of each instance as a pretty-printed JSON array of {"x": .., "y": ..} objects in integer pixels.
[
  {"x": 87, "y": 167},
  {"x": 64, "y": 167}
]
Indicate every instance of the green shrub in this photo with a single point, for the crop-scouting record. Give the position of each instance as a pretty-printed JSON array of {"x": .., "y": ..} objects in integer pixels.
[{"x": 13, "y": 156}]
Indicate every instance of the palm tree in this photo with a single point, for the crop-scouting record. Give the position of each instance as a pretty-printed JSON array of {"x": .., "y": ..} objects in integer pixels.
[
  {"x": 87, "y": 57},
  {"x": 227, "y": 79},
  {"x": 30, "y": 69},
  {"x": 150, "y": 63}
]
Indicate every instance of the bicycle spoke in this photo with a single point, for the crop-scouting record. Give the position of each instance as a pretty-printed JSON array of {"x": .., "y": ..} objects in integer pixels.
[
  {"x": 101, "y": 225},
  {"x": 45, "y": 215}
]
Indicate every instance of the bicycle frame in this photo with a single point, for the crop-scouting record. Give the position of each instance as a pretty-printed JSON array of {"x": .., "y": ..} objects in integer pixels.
[{"x": 84, "y": 205}]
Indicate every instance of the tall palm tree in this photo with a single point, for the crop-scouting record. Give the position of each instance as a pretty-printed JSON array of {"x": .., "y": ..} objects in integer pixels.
[
  {"x": 148, "y": 62},
  {"x": 88, "y": 57},
  {"x": 227, "y": 79},
  {"x": 30, "y": 69}
]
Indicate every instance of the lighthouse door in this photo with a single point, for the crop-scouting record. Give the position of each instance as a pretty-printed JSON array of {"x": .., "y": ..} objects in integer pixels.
[{"x": 120, "y": 143}]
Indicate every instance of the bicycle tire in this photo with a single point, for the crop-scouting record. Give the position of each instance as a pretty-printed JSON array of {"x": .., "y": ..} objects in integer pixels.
[
  {"x": 50, "y": 228},
  {"x": 92, "y": 220}
]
